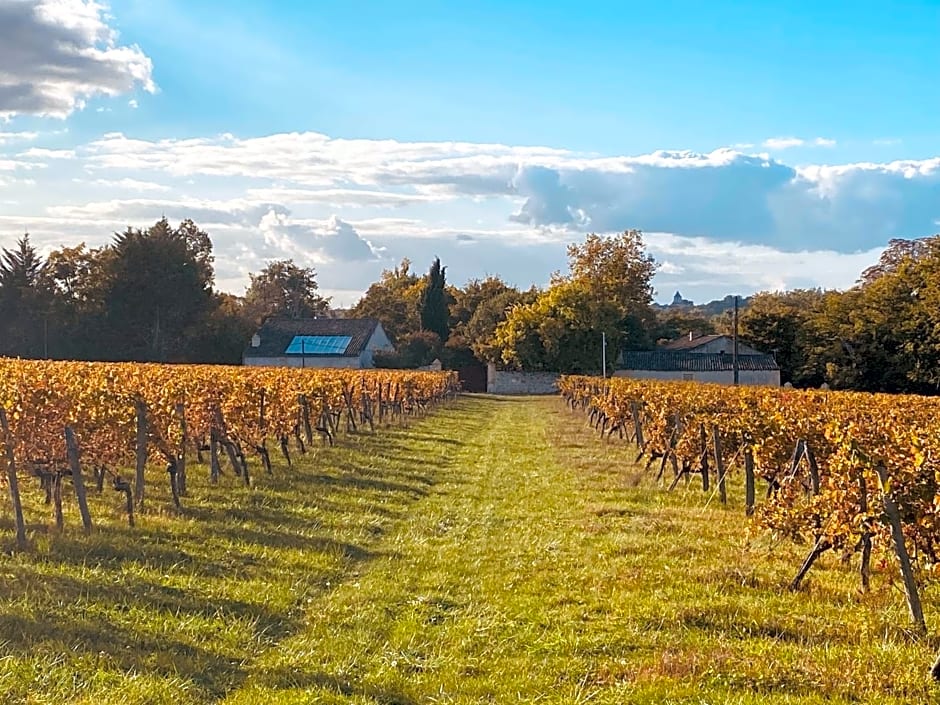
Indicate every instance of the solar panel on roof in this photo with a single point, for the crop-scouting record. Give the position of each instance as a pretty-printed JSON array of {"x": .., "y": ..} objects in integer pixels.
[{"x": 318, "y": 345}]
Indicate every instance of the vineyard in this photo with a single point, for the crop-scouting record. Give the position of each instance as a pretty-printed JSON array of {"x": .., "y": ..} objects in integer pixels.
[
  {"x": 844, "y": 472},
  {"x": 61, "y": 420}
]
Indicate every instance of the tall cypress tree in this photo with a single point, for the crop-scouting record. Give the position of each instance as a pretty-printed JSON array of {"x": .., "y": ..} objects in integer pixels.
[{"x": 435, "y": 313}]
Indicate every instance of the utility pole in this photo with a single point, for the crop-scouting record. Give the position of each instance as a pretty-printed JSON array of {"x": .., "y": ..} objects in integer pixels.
[
  {"x": 303, "y": 352},
  {"x": 734, "y": 350},
  {"x": 604, "y": 354}
]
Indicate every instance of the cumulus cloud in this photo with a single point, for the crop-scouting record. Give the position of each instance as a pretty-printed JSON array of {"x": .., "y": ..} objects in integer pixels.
[
  {"x": 726, "y": 193},
  {"x": 334, "y": 240},
  {"x": 56, "y": 54}
]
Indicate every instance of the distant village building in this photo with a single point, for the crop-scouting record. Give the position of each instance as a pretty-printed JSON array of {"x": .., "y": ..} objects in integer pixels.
[
  {"x": 317, "y": 342},
  {"x": 679, "y": 302},
  {"x": 702, "y": 358}
]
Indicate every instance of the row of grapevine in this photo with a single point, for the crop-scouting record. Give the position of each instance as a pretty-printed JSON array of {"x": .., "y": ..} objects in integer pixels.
[
  {"x": 840, "y": 470},
  {"x": 60, "y": 419}
]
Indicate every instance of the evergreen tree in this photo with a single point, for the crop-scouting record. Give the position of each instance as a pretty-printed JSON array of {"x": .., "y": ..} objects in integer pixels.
[{"x": 435, "y": 302}]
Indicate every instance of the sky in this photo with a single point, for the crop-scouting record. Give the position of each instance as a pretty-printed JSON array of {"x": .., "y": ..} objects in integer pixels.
[{"x": 758, "y": 146}]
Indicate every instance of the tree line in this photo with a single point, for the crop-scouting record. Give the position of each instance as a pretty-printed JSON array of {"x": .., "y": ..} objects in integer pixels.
[{"x": 150, "y": 295}]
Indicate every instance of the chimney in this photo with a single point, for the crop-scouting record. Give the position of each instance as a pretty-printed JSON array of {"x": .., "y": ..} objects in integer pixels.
[
  {"x": 256, "y": 341},
  {"x": 691, "y": 336}
]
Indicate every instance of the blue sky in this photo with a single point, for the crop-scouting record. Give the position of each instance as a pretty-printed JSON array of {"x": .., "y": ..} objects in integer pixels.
[
  {"x": 610, "y": 77},
  {"x": 761, "y": 145}
]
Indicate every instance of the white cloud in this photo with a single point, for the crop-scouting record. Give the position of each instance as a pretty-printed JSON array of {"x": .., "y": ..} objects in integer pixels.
[
  {"x": 781, "y": 143},
  {"x": 734, "y": 219},
  {"x": 334, "y": 240},
  {"x": 7, "y": 137},
  {"x": 133, "y": 103},
  {"x": 127, "y": 185},
  {"x": 42, "y": 153},
  {"x": 724, "y": 193},
  {"x": 56, "y": 54}
]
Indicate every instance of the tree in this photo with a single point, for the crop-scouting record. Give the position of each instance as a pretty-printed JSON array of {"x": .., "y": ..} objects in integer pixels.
[
  {"x": 615, "y": 269},
  {"x": 480, "y": 331},
  {"x": 283, "y": 289},
  {"x": 896, "y": 253},
  {"x": 435, "y": 302},
  {"x": 671, "y": 323},
  {"x": 393, "y": 300},
  {"x": 780, "y": 323},
  {"x": 158, "y": 287},
  {"x": 561, "y": 331},
  {"x": 24, "y": 301},
  {"x": 607, "y": 292}
]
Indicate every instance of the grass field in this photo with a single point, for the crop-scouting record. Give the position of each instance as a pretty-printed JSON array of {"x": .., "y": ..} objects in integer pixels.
[{"x": 496, "y": 552}]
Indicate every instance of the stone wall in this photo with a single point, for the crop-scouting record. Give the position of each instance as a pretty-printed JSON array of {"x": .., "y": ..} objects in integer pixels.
[{"x": 511, "y": 382}]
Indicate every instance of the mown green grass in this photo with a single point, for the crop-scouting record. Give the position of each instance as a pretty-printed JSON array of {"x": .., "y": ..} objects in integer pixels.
[{"x": 496, "y": 551}]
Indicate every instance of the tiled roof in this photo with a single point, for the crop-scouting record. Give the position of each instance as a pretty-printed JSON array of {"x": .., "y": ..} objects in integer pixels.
[
  {"x": 686, "y": 344},
  {"x": 277, "y": 333},
  {"x": 678, "y": 361}
]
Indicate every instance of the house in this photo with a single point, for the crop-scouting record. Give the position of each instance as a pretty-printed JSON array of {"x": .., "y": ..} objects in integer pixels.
[
  {"x": 316, "y": 342},
  {"x": 704, "y": 358}
]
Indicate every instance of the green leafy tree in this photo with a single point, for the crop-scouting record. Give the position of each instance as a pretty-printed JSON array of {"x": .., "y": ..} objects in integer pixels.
[
  {"x": 608, "y": 291},
  {"x": 283, "y": 289},
  {"x": 393, "y": 301},
  {"x": 781, "y": 324},
  {"x": 561, "y": 331}
]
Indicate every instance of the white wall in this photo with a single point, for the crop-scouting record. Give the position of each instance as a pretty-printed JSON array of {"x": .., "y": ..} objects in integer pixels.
[
  {"x": 765, "y": 378},
  {"x": 725, "y": 343},
  {"x": 378, "y": 341},
  {"x": 512, "y": 382}
]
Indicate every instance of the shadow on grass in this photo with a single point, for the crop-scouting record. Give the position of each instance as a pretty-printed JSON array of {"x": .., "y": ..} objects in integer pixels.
[
  {"x": 72, "y": 593},
  {"x": 288, "y": 679}
]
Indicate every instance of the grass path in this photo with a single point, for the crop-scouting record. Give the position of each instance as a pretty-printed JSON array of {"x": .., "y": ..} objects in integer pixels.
[{"x": 495, "y": 552}]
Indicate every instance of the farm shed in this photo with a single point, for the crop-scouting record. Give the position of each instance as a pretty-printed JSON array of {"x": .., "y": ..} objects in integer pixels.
[{"x": 316, "y": 342}]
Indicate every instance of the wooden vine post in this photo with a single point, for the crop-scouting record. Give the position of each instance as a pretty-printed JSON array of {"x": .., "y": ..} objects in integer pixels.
[
  {"x": 900, "y": 549},
  {"x": 12, "y": 481},
  {"x": 719, "y": 466},
  {"x": 703, "y": 439},
  {"x": 141, "y": 410},
  {"x": 215, "y": 469},
  {"x": 864, "y": 567},
  {"x": 78, "y": 483},
  {"x": 748, "y": 474},
  {"x": 180, "y": 410}
]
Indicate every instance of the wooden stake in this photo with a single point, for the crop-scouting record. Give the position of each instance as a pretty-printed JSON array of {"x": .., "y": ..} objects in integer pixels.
[
  {"x": 78, "y": 483},
  {"x": 141, "y": 410},
  {"x": 813, "y": 467},
  {"x": 12, "y": 481},
  {"x": 704, "y": 441},
  {"x": 181, "y": 456},
  {"x": 900, "y": 549},
  {"x": 748, "y": 475},
  {"x": 215, "y": 469},
  {"x": 864, "y": 567},
  {"x": 719, "y": 466},
  {"x": 819, "y": 548},
  {"x": 57, "y": 501}
]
